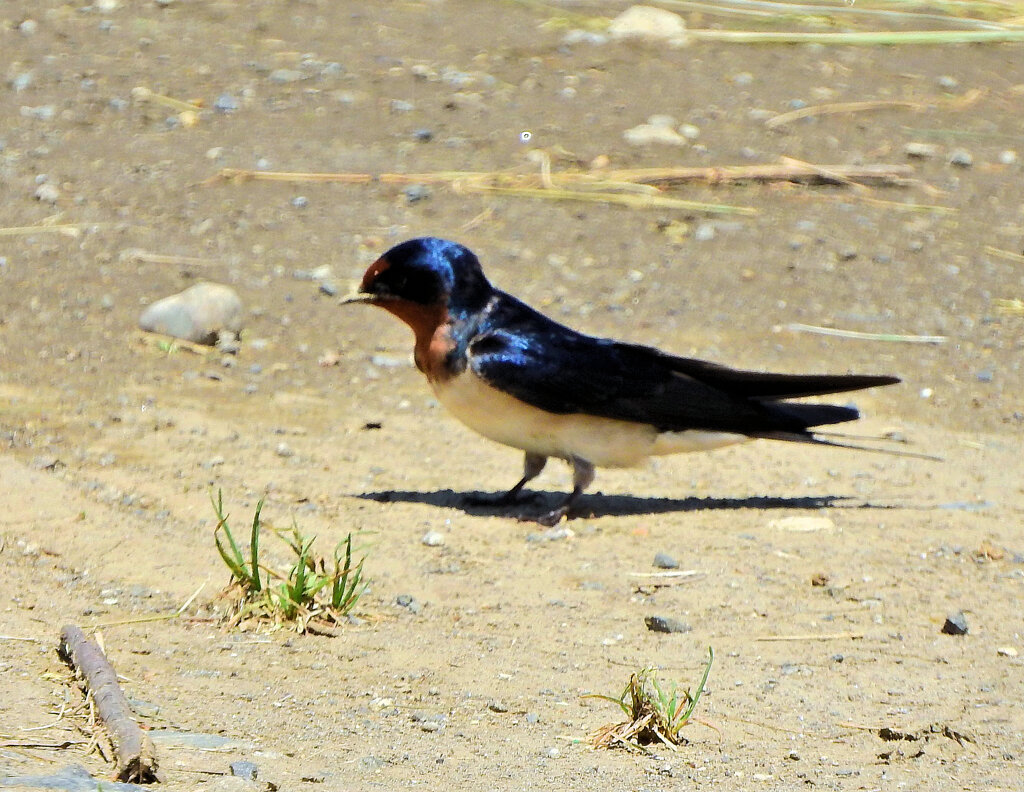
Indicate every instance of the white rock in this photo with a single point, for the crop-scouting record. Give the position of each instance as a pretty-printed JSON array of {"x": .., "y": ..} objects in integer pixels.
[
  {"x": 433, "y": 539},
  {"x": 646, "y": 134},
  {"x": 197, "y": 314},
  {"x": 649, "y": 24},
  {"x": 47, "y": 193},
  {"x": 803, "y": 524}
]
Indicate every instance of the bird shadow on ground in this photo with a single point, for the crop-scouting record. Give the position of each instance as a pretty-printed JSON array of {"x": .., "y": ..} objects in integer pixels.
[{"x": 599, "y": 505}]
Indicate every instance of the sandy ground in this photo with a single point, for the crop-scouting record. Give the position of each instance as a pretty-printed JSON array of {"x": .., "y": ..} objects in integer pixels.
[{"x": 111, "y": 445}]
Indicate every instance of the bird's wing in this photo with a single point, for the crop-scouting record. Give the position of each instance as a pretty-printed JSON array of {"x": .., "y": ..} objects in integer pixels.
[{"x": 552, "y": 367}]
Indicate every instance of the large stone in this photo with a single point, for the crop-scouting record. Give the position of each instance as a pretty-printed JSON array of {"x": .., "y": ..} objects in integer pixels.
[{"x": 199, "y": 314}]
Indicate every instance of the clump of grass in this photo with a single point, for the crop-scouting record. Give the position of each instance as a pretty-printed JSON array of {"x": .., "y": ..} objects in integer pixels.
[
  {"x": 315, "y": 593},
  {"x": 656, "y": 715}
]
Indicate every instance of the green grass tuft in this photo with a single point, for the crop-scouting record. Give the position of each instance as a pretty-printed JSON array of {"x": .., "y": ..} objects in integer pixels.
[
  {"x": 656, "y": 714},
  {"x": 315, "y": 594}
]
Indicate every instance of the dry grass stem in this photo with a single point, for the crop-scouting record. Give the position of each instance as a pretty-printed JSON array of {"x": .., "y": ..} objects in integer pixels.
[
  {"x": 637, "y": 188},
  {"x": 959, "y": 103},
  {"x": 813, "y": 637},
  {"x": 139, "y": 256},
  {"x": 1009, "y": 255},
  {"x": 796, "y": 327},
  {"x": 840, "y": 107},
  {"x": 865, "y": 38},
  {"x": 143, "y": 94},
  {"x": 68, "y": 229},
  {"x": 1013, "y": 307},
  {"x": 771, "y": 11}
]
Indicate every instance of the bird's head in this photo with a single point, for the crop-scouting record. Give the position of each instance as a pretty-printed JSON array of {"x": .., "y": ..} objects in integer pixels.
[{"x": 424, "y": 275}]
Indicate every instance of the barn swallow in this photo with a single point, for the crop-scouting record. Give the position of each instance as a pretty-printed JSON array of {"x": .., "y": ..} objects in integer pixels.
[{"x": 521, "y": 379}]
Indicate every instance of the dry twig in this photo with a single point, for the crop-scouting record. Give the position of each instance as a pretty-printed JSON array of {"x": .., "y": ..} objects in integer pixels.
[{"x": 134, "y": 751}]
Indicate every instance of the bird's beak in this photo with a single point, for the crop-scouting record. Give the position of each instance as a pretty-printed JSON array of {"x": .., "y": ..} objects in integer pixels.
[{"x": 356, "y": 296}]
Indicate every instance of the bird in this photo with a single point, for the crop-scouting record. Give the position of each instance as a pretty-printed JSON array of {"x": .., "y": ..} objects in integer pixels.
[{"x": 520, "y": 378}]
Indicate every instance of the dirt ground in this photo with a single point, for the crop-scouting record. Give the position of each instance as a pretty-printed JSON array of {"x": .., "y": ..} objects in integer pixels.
[{"x": 110, "y": 444}]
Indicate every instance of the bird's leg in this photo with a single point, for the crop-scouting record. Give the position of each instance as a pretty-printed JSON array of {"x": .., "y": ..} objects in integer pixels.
[
  {"x": 582, "y": 477},
  {"x": 533, "y": 464}
]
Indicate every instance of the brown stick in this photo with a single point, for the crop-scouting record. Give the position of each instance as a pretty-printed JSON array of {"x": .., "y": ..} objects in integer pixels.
[{"x": 134, "y": 750}]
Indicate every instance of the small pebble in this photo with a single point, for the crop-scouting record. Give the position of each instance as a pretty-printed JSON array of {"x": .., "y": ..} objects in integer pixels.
[
  {"x": 704, "y": 232},
  {"x": 955, "y": 624},
  {"x": 578, "y": 36},
  {"x": 226, "y": 103},
  {"x": 985, "y": 375},
  {"x": 948, "y": 83},
  {"x": 284, "y": 450},
  {"x": 41, "y": 113},
  {"x": 328, "y": 288},
  {"x": 497, "y": 706},
  {"x": 551, "y": 535},
  {"x": 286, "y": 76},
  {"x": 423, "y": 135},
  {"x": 47, "y": 193},
  {"x": 962, "y": 158},
  {"x": 665, "y": 561},
  {"x": 401, "y": 106},
  {"x": 416, "y": 192},
  {"x": 21, "y": 81},
  {"x": 653, "y": 134},
  {"x": 247, "y": 770},
  {"x": 1007, "y": 157},
  {"x": 300, "y": 202},
  {"x": 433, "y": 539},
  {"x": 666, "y": 624},
  {"x": 552, "y": 753},
  {"x": 1006, "y": 651},
  {"x": 28, "y": 27},
  {"x": 921, "y": 150}
]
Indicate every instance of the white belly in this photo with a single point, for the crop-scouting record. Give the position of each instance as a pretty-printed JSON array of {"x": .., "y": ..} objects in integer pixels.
[{"x": 604, "y": 442}]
